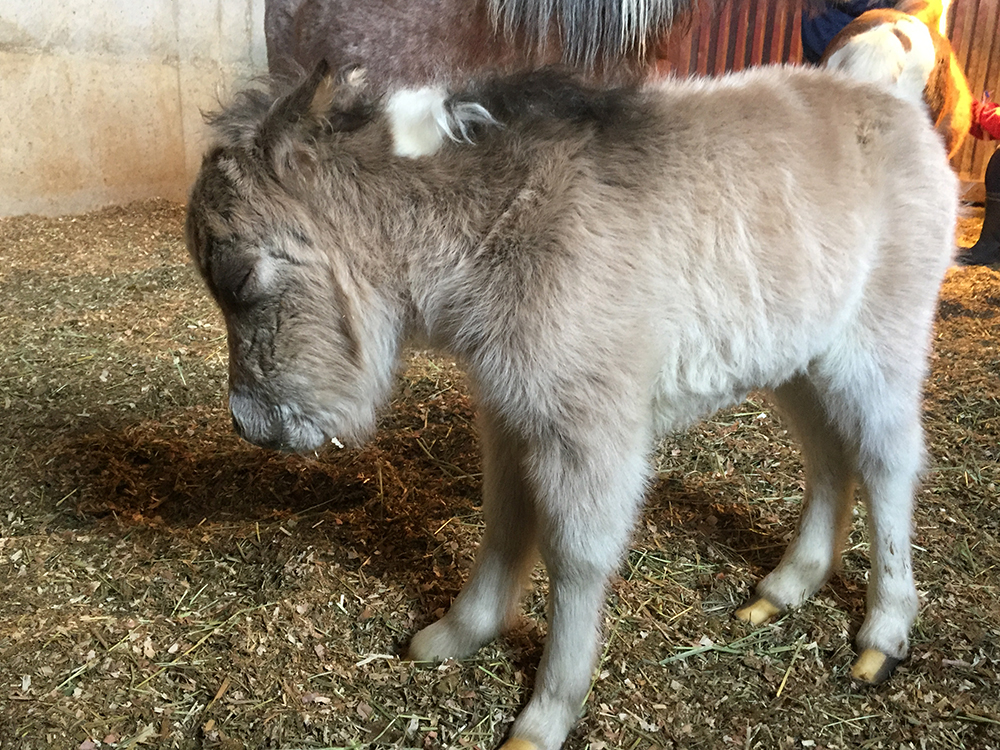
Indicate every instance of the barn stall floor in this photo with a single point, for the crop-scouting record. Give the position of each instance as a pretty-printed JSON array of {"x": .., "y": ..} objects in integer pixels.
[{"x": 163, "y": 584}]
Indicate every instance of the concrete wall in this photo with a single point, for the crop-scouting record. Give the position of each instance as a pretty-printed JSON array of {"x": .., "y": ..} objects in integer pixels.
[{"x": 101, "y": 100}]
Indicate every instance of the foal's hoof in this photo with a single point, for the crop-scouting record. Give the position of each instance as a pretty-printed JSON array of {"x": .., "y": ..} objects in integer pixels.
[
  {"x": 518, "y": 744},
  {"x": 873, "y": 667},
  {"x": 758, "y": 610}
]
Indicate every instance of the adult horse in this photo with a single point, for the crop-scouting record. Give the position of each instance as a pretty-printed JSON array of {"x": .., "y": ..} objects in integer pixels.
[
  {"x": 407, "y": 42},
  {"x": 415, "y": 41}
]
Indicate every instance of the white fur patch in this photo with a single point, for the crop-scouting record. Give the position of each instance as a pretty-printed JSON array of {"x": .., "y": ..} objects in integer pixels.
[
  {"x": 267, "y": 270},
  {"x": 420, "y": 120},
  {"x": 877, "y": 56}
]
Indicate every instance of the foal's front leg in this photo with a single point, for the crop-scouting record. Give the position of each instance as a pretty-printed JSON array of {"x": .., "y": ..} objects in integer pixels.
[
  {"x": 586, "y": 507},
  {"x": 506, "y": 554}
]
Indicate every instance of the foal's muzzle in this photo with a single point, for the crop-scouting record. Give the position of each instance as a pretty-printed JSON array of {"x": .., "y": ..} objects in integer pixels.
[{"x": 277, "y": 426}]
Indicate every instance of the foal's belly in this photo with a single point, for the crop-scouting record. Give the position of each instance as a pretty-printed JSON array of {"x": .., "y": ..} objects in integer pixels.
[
  {"x": 695, "y": 384},
  {"x": 675, "y": 412}
]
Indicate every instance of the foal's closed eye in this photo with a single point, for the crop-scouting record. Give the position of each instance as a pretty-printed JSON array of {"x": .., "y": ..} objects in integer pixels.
[
  {"x": 244, "y": 277},
  {"x": 233, "y": 276}
]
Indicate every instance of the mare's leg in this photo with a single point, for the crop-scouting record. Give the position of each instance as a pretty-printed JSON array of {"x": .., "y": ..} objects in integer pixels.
[
  {"x": 504, "y": 560},
  {"x": 588, "y": 500},
  {"x": 814, "y": 552}
]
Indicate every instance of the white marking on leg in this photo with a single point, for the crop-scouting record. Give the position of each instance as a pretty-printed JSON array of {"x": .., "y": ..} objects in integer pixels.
[
  {"x": 815, "y": 551},
  {"x": 880, "y": 405},
  {"x": 826, "y": 512},
  {"x": 892, "y": 595}
]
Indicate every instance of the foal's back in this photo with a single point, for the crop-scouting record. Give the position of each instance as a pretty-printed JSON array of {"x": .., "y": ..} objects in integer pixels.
[{"x": 729, "y": 233}]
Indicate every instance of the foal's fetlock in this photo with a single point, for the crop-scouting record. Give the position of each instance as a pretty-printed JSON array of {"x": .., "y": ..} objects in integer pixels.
[
  {"x": 786, "y": 587},
  {"x": 544, "y": 723},
  {"x": 518, "y": 743},
  {"x": 772, "y": 598},
  {"x": 437, "y": 642},
  {"x": 883, "y": 640}
]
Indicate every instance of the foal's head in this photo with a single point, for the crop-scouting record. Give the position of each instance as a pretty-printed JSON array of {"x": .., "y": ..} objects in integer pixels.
[{"x": 305, "y": 353}]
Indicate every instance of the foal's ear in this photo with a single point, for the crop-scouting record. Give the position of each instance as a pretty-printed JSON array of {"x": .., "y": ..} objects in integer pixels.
[
  {"x": 308, "y": 95},
  {"x": 339, "y": 100},
  {"x": 349, "y": 106},
  {"x": 324, "y": 94},
  {"x": 293, "y": 106}
]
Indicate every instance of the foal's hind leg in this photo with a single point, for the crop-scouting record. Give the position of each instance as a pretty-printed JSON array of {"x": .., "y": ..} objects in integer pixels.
[
  {"x": 874, "y": 389},
  {"x": 506, "y": 555},
  {"x": 815, "y": 551},
  {"x": 872, "y": 397},
  {"x": 890, "y": 456}
]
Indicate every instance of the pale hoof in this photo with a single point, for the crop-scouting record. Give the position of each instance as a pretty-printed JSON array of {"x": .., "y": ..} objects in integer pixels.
[
  {"x": 515, "y": 743},
  {"x": 410, "y": 656},
  {"x": 757, "y": 611},
  {"x": 873, "y": 667}
]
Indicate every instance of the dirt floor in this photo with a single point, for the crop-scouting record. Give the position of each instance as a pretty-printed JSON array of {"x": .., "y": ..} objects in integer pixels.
[{"x": 163, "y": 584}]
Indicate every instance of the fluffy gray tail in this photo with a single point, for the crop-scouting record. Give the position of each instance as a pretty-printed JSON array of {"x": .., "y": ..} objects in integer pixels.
[{"x": 589, "y": 27}]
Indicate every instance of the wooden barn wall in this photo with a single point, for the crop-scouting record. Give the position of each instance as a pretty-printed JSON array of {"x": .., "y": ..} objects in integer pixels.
[
  {"x": 975, "y": 36},
  {"x": 740, "y": 33},
  {"x": 733, "y": 35}
]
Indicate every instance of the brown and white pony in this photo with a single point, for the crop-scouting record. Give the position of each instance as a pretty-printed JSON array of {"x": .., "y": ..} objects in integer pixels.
[{"x": 906, "y": 49}]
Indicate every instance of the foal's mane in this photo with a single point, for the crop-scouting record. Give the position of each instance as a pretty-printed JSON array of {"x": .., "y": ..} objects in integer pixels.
[
  {"x": 552, "y": 93},
  {"x": 261, "y": 122}
]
